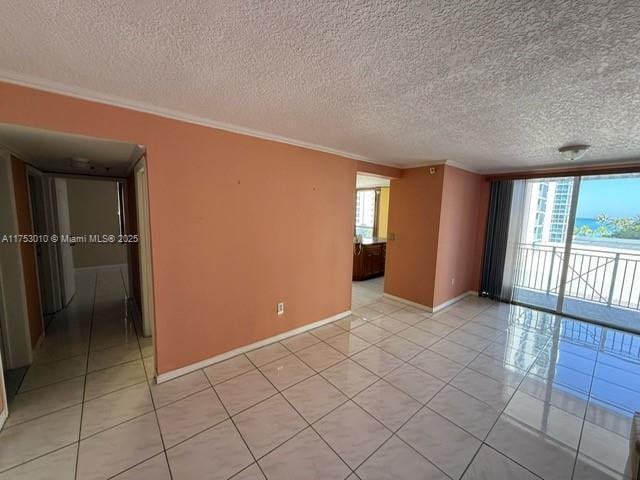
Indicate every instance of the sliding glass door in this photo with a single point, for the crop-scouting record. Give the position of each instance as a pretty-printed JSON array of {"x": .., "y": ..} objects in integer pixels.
[
  {"x": 574, "y": 247},
  {"x": 603, "y": 270}
]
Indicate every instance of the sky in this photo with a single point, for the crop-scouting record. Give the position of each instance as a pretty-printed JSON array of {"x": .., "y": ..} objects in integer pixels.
[{"x": 616, "y": 197}]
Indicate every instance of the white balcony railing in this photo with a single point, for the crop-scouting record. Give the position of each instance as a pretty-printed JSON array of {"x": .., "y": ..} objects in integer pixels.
[{"x": 609, "y": 278}]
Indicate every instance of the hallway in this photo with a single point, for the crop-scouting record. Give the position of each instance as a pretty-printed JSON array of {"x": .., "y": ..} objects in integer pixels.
[{"x": 89, "y": 374}]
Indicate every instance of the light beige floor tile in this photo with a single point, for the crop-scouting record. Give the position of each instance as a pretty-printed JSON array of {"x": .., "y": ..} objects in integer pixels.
[
  {"x": 434, "y": 327},
  {"x": 349, "y": 377},
  {"x": 286, "y": 371},
  {"x": 468, "y": 340},
  {"x": 454, "y": 351},
  {"x": 444, "y": 444},
  {"x": 352, "y": 433},
  {"x": 219, "y": 451},
  {"x": 223, "y": 371},
  {"x": 244, "y": 391},
  {"x": 45, "y": 400},
  {"x": 184, "y": 418},
  {"x": 385, "y": 307},
  {"x": 491, "y": 465},
  {"x": 114, "y": 408},
  {"x": 452, "y": 317},
  {"x": 407, "y": 316},
  {"x": 350, "y": 322},
  {"x": 390, "y": 324},
  {"x": 60, "y": 464},
  {"x": 114, "y": 450},
  {"x": 268, "y": 424},
  {"x": 377, "y": 360},
  {"x": 252, "y": 472},
  {"x": 483, "y": 388},
  {"x": 397, "y": 461},
  {"x": 589, "y": 469},
  {"x": 31, "y": 439},
  {"x": 267, "y": 354},
  {"x": 414, "y": 382},
  {"x": 606, "y": 448},
  {"x": 169, "y": 392},
  {"x": 538, "y": 453},
  {"x": 320, "y": 356},
  {"x": 304, "y": 456},
  {"x": 114, "y": 378},
  {"x": 387, "y": 404},
  {"x": 347, "y": 343},
  {"x": 436, "y": 365},
  {"x": 399, "y": 347},
  {"x": 117, "y": 355},
  {"x": 155, "y": 468},
  {"x": 300, "y": 341},
  {"x": 49, "y": 373},
  {"x": 472, "y": 415},
  {"x": 371, "y": 333},
  {"x": 419, "y": 337},
  {"x": 366, "y": 313},
  {"x": 314, "y": 397},
  {"x": 327, "y": 331}
]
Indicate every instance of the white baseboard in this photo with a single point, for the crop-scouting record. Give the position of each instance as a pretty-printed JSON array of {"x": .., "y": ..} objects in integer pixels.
[
  {"x": 163, "y": 377},
  {"x": 448, "y": 303},
  {"x": 435, "y": 309},
  {"x": 408, "y": 302},
  {"x": 3, "y": 416}
]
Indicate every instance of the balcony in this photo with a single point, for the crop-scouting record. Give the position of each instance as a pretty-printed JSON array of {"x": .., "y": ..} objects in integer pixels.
[{"x": 602, "y": 284}]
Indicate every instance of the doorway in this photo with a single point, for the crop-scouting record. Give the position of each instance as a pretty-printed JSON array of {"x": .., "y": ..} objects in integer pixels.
[{"x": 371, "y": 214}]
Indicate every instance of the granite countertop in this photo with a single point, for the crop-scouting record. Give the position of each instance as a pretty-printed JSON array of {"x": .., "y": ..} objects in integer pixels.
[{"x": 373, "y": 241}]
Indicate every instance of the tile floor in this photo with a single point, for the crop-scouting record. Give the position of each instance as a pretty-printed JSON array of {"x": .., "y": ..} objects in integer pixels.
[{"x": 480, "y": 391}]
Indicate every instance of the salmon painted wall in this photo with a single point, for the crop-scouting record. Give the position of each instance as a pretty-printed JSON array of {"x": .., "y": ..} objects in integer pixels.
[
  {"x": 414, "y": 217},
  {"x": 27, "y": 250},
  {"x": 461, "y": 233},
  {"x": 237, "y": 224}
]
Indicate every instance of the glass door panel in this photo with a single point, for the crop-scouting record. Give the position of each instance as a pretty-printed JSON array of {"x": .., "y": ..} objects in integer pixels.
[
  {"x": 540, "y": 214},
  {"x": 603, "y": 269}
]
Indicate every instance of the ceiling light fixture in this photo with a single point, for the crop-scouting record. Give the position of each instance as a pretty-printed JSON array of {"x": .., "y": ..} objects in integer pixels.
[
  {"x": 571, "y": 153},
  {"x": 81, "y": 163}
]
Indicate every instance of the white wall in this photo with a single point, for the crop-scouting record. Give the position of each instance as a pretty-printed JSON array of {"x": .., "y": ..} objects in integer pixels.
[{"x": 93, "y": 209}]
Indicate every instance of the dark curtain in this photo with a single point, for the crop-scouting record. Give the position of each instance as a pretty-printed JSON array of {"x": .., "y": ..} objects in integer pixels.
[{"x": 495, "y": 247}]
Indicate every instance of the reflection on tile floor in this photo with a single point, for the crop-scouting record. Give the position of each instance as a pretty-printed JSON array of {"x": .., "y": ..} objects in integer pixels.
[{"x": 480, "y": 391}]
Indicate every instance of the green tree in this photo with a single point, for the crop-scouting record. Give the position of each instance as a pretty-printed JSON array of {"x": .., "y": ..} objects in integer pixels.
[{"x": 613, "y": 227}]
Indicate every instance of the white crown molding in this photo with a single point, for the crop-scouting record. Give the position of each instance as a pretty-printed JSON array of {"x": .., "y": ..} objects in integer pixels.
[
  {"x": 451, "y": 163},
  {"x": 84, "y": 94}
]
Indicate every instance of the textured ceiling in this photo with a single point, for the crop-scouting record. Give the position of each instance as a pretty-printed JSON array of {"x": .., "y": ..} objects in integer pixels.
[
  {"x": 490, "y": 85},
  {"x": 53, "y": 151}
]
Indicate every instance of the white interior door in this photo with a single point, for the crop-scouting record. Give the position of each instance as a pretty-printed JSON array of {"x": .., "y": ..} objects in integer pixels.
[{"x": 64, "y": 249}]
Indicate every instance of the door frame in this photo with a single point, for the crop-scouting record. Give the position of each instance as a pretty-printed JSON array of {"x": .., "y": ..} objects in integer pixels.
[
  {"x": 49, "y": 288},
  {"x": 144, "y": 250},
  {"x": 4, "y": 413}
]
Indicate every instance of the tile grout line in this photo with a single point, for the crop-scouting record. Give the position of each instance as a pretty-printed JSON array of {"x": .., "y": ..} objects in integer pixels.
[
  {"x": 584, "y": 418},
  {"x": 84, "y": 389},
  {"x": 255, "y": 460}
]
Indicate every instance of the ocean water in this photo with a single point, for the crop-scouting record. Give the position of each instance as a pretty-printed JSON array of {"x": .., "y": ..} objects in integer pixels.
[{"x": 589, "y": 222}]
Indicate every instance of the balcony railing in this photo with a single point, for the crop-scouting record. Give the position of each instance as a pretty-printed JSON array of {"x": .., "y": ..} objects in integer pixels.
[{"x": 609, "y": 278}]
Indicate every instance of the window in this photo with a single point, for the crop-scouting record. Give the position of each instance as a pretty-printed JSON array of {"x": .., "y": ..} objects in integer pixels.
[{"x": 366, "y": 212}]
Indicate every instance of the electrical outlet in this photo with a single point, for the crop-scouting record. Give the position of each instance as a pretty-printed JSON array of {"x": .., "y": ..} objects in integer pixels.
[
  {"x": 280, "y": 308},
  {"x": 453, "y": 281}
]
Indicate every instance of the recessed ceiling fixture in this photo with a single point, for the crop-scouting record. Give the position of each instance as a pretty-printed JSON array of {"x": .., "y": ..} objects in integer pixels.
[
  {"x": 81, "y": 163},
  {"x": 571, "y": 153}
]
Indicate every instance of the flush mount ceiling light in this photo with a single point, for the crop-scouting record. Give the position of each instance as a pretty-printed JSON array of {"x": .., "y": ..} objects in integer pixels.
[
  {"x": 571, "y": 153},
  {"x": 81, "y": 163}
]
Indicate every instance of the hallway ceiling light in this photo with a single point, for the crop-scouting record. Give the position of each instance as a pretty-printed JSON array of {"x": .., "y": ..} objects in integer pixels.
[
  {"x": 571, "y": 153},
  {"x": 81, "y": 163}
]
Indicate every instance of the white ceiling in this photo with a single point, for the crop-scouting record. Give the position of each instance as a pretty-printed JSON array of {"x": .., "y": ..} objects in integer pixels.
[
  {"x": 371, "y": 181},
  {"x": 490, "y": 85},
  {"x": 52, "y": 151}
]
